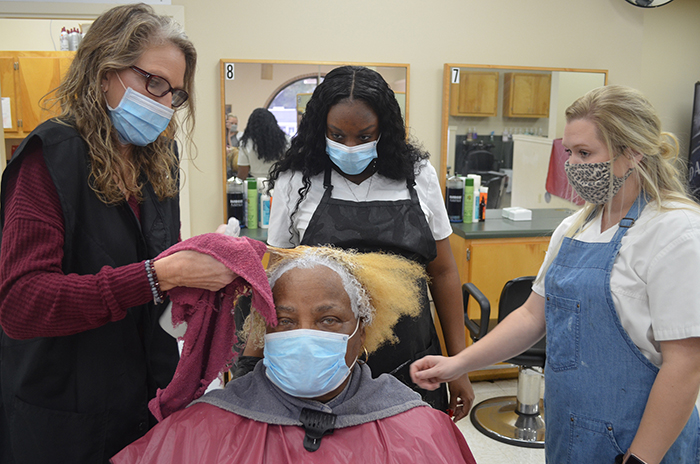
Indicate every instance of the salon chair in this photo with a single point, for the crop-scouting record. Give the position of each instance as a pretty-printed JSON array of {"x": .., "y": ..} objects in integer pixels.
[
  {"x": 515, "y": 420},
  {"x": 482, "y": 162},
  {"x": 496, "y": 182},
  {"x": 479, "y": 159}
]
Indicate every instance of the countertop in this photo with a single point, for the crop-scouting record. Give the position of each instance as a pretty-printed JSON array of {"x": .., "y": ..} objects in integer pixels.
[
  {"x": 255, "y": 234},
  {"x": 543, "y": 223}
]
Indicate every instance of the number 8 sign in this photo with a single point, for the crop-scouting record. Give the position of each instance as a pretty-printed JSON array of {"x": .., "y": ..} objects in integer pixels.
[{"x": 229, "y": 73}]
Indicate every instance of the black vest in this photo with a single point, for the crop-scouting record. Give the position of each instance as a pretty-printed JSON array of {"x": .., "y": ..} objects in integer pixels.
[{"x": 83, "y": 397}]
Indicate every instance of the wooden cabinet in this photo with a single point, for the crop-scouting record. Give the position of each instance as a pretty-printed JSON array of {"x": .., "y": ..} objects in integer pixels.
[
  {"x": 526, "y": 95},
  {"x": 489, "y": 264},
  {"x": 26, "y": 78},
  {"x": 475, "y": 95}
]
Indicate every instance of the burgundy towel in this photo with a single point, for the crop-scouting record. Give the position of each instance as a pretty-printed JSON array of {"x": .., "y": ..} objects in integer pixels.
[
  {"x": 557, "y": 182},
  {"x": 210, "y": 335}
]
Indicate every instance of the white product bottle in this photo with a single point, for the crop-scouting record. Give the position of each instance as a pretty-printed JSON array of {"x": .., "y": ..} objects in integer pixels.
[
  {"x": 264, "y": 206},
  {"x": 73, "y": 39},
  {"x": 64, "y": 40},
  {"x": 477, "y": 184}
]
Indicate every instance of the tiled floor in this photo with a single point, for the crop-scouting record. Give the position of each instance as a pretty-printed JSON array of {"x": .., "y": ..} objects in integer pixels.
[{"x": 487, "y": 450}]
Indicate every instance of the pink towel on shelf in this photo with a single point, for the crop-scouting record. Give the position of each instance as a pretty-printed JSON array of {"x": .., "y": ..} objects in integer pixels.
[
  {"x": 557, "y": 182},
  {"x": 210, "y": 335}
]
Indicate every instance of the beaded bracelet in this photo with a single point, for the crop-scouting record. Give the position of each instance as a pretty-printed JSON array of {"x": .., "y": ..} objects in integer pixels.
[{"x": 158, "y": 297}]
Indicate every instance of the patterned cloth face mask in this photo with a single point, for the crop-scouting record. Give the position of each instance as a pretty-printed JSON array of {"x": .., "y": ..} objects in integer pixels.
[
  {"x": 307, "y": 363},
  {"x": 592, "y": 180}
]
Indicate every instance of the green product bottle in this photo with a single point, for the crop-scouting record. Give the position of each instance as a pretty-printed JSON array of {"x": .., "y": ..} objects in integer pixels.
[
  {"x": 252, "y": 202},
  {"x": 468, "y": 199}
]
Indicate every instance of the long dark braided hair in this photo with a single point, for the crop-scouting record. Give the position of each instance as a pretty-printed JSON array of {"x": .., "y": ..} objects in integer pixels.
[
  {"x": 269, "y": 141},
  {"x": 397, "y": 157}
]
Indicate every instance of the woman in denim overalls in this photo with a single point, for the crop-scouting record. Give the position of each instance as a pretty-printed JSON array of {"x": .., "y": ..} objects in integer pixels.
[{"x": 614, "y": 296}]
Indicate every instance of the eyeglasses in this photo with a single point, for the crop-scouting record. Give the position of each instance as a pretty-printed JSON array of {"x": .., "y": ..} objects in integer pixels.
[{"x": 159, "y": 87}]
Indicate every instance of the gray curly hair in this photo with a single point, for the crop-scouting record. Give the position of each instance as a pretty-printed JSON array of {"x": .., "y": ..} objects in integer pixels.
[{"x": 359, "y": 300}]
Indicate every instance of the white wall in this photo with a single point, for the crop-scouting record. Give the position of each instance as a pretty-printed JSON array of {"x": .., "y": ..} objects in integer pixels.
[
  {"x": 570, "y": 86},
  {"x": 654, "y": 50},
  {"x": 34, "y": 34},
  {"x": 671, "y": 64}
]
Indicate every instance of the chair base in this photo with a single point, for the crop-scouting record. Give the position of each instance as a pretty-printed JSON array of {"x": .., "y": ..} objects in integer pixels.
[{"x": 497, "y": 418}]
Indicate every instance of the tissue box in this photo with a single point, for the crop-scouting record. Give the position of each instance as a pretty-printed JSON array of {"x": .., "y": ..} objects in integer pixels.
[{"x": 517, "y": 213}]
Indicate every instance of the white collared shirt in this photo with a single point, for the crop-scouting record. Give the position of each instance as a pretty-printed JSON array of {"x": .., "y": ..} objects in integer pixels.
[{"x": 376, "y": 187}]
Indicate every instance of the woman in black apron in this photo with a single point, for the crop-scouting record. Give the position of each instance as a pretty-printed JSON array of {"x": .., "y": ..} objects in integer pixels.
[{"x": 352, "y": 137}]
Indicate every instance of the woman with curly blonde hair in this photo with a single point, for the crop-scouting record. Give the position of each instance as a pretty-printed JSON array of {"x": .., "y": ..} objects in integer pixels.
[
  {"x": 622, "y": 320},
  {"x": 88, "y": 200},
  {"x": 312, "y": 399},
  {"x": 388, "y": 289}
]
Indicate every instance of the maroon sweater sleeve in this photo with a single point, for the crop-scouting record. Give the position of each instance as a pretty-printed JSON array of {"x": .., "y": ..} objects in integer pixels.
[{"x": 36, "y": 298}]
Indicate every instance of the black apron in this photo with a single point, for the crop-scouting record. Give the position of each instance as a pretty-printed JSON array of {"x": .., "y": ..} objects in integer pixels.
[{"x": 397, "y": 227}]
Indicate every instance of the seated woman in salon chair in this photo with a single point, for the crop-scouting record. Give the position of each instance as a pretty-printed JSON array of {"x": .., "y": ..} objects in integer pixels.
[{"x": 312, "y": 399}]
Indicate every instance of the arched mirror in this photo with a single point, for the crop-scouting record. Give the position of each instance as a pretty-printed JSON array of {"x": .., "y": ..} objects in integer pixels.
[
  {"x": 514, "y": 113},
  {"x": 283, "y": 87}
]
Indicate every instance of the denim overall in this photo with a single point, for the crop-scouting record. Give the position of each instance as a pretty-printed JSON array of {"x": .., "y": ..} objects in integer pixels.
[{"x": 596, "y": 380}]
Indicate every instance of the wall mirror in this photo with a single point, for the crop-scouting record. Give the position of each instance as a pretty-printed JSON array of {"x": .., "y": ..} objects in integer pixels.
[
  {"x": 284, "y": 87},
  {"x": 498, "y": 107}
]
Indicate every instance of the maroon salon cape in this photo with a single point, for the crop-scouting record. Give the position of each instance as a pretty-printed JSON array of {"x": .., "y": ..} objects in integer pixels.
[{"x": 206, "y": 434}]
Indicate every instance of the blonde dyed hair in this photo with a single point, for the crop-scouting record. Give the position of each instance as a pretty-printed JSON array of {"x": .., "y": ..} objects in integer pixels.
[
  {"x": 115, "y": 41},
  {"x": 390, "y": 284},
  {"x": 627, "y": 123}
]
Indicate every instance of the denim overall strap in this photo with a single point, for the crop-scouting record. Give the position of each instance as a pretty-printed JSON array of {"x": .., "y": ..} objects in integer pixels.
[{"x": 596, "y": 379}]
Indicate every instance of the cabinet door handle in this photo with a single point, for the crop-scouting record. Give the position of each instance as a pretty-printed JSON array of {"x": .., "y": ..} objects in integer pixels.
[{"x": 469, "y": 253}]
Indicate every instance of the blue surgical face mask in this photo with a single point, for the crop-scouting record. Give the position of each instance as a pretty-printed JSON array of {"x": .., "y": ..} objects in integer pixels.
[
  {"x": 138, "y": 119},
  {"x": 307, "y": 363},
  {"x": 351, "y": 160}
]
